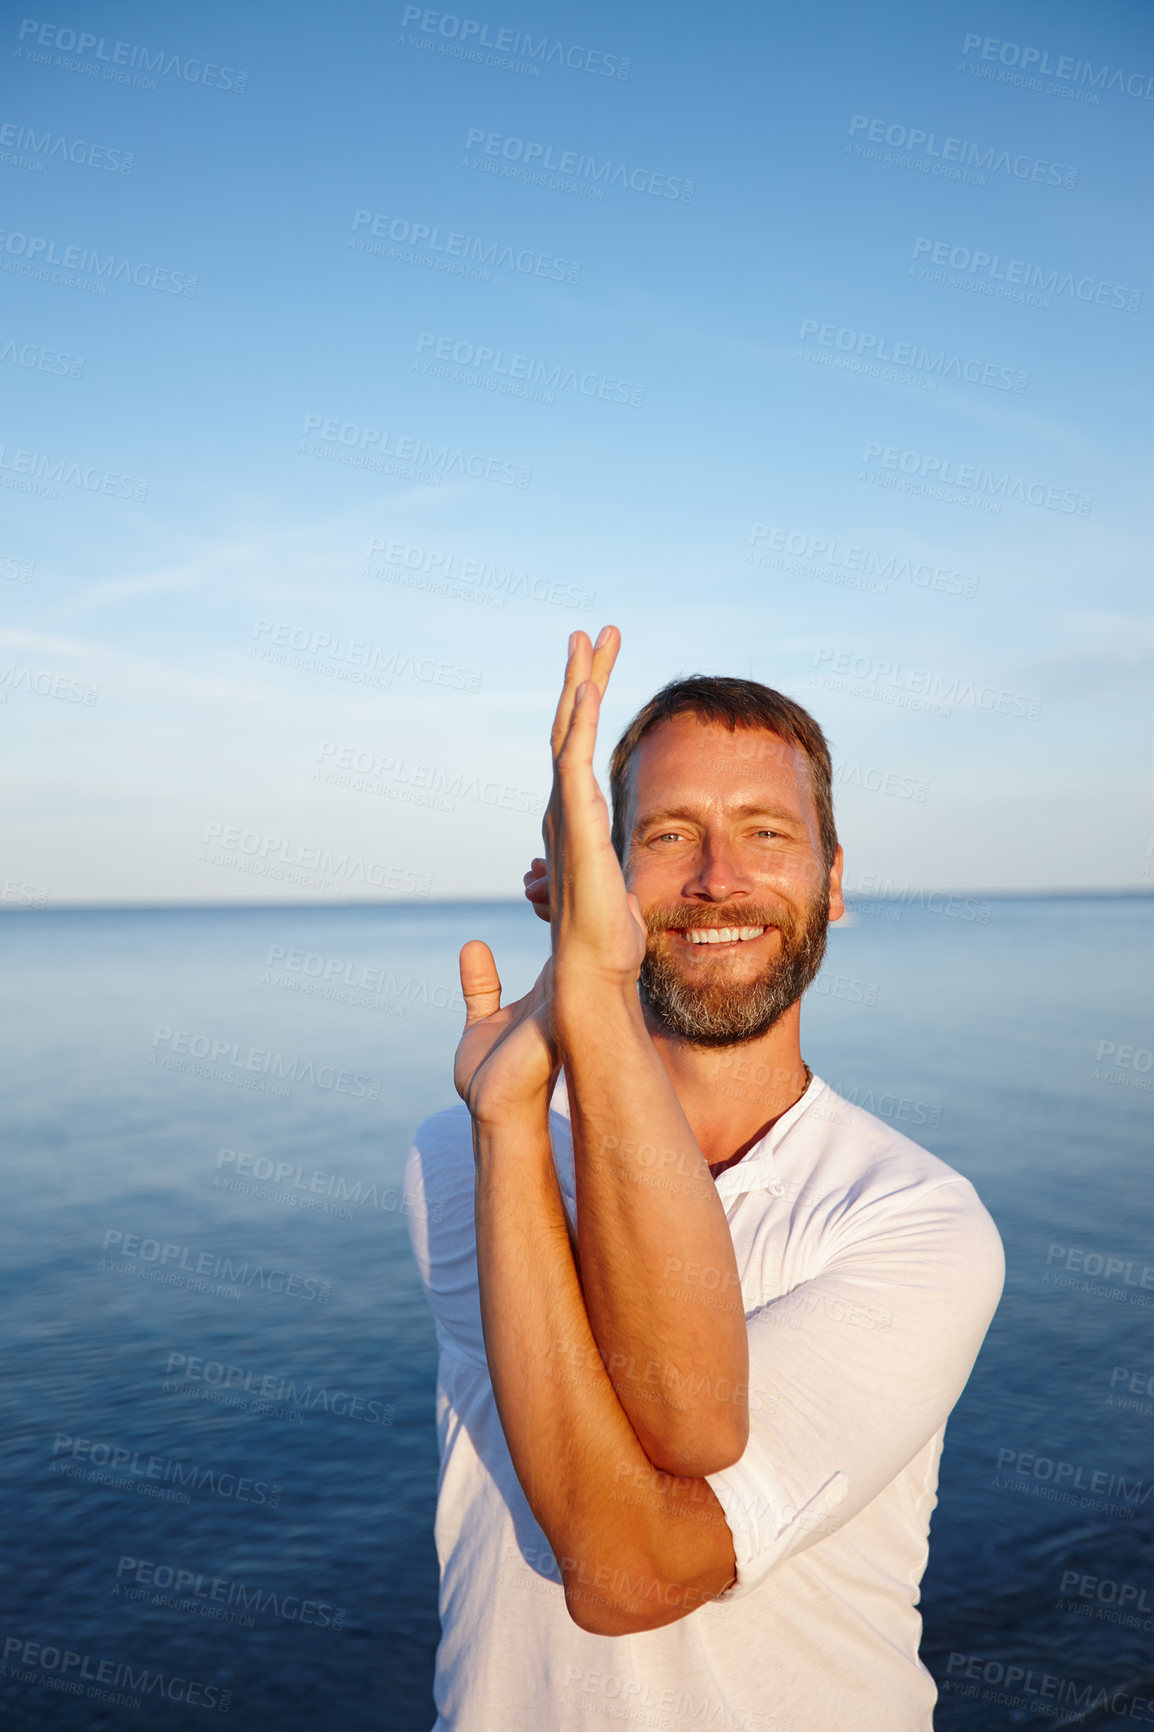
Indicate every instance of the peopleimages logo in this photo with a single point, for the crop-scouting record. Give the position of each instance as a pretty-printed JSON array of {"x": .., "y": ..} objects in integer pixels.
[
  {"x": 366, "y": 448},
  {"x": 536, "y": 158},
  {"x": 124, "y": 55},
  {"x": 1036, "y": 61},
  {"x": 267, "y": 1063},
  {"x": 914, "y": 688},
  {"x": 972, "y": 478},
  {"x": 46, "y": 474},
  {"x": 471, "y": 32},
  {"x": 458, "y": 251},
  {"x": 162, "y": 1254},
  {"x": 1044, "y": 1694},
  {"x": 30, "y": 256},
  {"x": 878, "y": 781},
  {"x": 354, "y": 659},
  {"x": 927, "y": 151},
  {"x": 302, "y": 1193},
  {"x": 373, "y": 772},
  {"x": 856, "y": 558},
  {"x": 269, "y": 1388},
  {"x": 1099, "y": 1482},
  {"x": 311, "y": 866},
  {"x": 46, "y": 684},
  {"x": 16, "y": 136},
  {"x": 41, "y": 360},
  {"x": 1020, "y": 280},
  {"x": 195, "y": 1591},
  {"x": 873, "y": 346},
  {"x": 493, "y": 369},
  {"x": 169, "y": 1470},
  {"x": 435, "y": 569},
  {"x": 31, "y": 1662}
]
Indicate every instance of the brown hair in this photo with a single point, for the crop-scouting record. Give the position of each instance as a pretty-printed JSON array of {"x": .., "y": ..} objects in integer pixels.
[{"x": 737, "y": 704}]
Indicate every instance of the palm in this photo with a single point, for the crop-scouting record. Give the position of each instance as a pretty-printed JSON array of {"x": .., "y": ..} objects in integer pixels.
[
  {"x": 506, "y": 1056},
  {"x": 596, "y": 922},
  {"x": 507, "y": 1059}
]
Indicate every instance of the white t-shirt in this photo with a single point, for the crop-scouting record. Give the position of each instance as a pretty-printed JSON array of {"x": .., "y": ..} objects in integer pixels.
[{"x": 870, "y": 1272}]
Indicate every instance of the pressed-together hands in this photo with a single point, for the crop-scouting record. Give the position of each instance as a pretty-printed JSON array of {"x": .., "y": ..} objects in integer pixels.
[
  {"x": 571, "y": 1439},
  {"x": 507, "y": 1059},
  {"x": 597, "y": 926},
  {"x": 577, "y": 827}
]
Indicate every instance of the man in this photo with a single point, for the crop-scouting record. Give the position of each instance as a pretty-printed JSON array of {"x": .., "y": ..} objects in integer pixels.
[{"x": 699, "y": 1338}]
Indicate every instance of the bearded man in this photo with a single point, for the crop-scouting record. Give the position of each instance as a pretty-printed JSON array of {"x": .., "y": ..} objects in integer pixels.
[{"x": 698, "y": 1341}]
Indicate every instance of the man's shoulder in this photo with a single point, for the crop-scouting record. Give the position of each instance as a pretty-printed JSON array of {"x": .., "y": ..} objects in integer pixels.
[
  {"x": 438, "y": 1185},
  {"x": 447, "y": 1129},
  {"x": 868, "y": 1179},
  {"x": 440, "y": 1160},
  {"x": 881, "y": 1168},
  {"x": 848, "y": 1132}
]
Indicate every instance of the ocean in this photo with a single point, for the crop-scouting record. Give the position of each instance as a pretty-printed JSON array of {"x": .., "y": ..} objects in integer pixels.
[{"x": 219, "y": 1447}]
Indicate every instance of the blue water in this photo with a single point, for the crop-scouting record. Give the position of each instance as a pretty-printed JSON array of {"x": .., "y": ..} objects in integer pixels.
[{"x": 152, "y": 1311}]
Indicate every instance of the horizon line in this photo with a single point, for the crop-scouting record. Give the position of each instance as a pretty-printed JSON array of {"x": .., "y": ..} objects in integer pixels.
[{"x": 1082, "y": 893}]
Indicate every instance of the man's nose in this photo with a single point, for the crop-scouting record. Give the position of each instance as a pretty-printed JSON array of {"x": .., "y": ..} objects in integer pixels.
[{"x": 717, "y": 875}]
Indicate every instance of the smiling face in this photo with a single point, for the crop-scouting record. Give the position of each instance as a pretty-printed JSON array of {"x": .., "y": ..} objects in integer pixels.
[{"x": 725, "y": 860}]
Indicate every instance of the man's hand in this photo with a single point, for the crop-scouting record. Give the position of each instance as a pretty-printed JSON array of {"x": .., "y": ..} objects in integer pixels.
[
  {"x": 536, "y": 882},
  {"x": 598, "y": 931},
  {"x": 573, "y": 1439},
  {"x": 632, "y": 1227},
  {"x": 507, "y": 1061}
]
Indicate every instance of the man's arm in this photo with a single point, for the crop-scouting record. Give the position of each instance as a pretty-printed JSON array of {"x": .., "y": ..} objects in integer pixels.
[
  {"x": 646, "y": 1202},
  {"x": 636, "y": 1548},
  {"x": 853, "y": 1371}
]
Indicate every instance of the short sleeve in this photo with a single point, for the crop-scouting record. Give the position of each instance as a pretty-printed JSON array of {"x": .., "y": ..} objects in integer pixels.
[
  {"x": 438, "y": 1201},
  {"x": 439, "y": 1188},
  {"x": 854, "y": 1371}
]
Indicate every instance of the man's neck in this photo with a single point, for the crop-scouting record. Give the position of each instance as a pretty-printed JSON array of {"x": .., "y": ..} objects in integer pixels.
[{"x": 732, "y": 1095}]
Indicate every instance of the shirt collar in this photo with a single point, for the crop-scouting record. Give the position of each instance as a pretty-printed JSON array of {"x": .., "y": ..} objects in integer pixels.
[{"x": 756, "y": 1170}]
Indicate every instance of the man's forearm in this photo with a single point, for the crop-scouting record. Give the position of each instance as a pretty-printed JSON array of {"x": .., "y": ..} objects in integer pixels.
[
  {"x": 658, "y": 1270},
  {"x": 637, "y": 1549}
]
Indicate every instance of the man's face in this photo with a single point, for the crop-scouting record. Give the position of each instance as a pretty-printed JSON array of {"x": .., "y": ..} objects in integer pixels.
[{"x": 725, "y": 860}]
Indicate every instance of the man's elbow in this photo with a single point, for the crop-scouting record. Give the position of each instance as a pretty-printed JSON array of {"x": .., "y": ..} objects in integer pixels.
[
  {"x": 694, "y": 1448},
  {"x": 601, "y": 1615},
  {"x": 648, "y": 1603}
]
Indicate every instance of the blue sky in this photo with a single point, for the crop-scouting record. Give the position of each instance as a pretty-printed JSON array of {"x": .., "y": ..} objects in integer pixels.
[{"x": 811, "y": 345}]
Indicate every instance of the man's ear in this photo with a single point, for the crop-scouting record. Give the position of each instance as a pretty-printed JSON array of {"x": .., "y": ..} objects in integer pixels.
[{"x": 836, "y": 899}]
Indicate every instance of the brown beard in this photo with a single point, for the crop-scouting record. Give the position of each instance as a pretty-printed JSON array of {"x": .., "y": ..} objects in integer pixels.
[{"x": 723, "y": 1013}]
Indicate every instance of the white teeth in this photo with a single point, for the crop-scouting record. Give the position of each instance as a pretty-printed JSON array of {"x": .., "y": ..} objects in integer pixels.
[{"x": 722, "y": 934}]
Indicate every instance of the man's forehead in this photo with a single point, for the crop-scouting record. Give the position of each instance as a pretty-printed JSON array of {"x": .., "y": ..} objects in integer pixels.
[{"x": 690, "y": 741}]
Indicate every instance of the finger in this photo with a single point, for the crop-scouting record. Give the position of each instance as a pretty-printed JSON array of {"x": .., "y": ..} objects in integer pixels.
[
  {"x": 577, "y": 748},
  {"x": 538, "y": 868},
  {"x": 577, "y": 668},
  {"x": 537, "y": 895},
  {"x": 582, "y": 815},
  {"x": 480, "y": 982},
  {"x": 605, "y": 652},
  {"x": 586, "y": 662}
]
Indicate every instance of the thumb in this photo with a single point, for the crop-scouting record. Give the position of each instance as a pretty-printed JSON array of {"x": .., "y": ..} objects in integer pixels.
[{"x": 480, "y": 982}]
